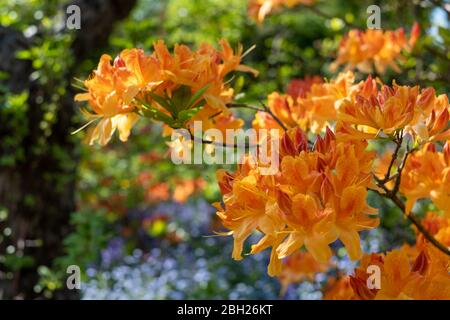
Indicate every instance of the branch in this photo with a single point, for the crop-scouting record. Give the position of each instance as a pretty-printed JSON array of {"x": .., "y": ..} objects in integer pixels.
[
  {"x": 243, "y": 106},
  {"x": 220, "y": 144},
  {"x": 411, "y": 217},
  {"x": 392, "y": 194},
  {"x": 398, "y": 142},
  {"x": 264, "y": 109},
  {"x": 267, "y": 109}
]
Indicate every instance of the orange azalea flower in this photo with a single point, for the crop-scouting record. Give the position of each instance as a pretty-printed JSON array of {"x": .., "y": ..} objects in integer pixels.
[
  {"x": 248, "y": 205},
  {"x": 259, "y": 9},
  {"x": 322, "y": 197},
  {"x": 298, "y": 267},
  {"x": 112, "y": 89},
  {"x": 403, "y": 278},
  {"x": 283, "y": 107},
  {"x": 309, "y": 104},
  {"x": 205, "y": 67},
  {"x": 431, "y": 118},
  {"x": 387, "y": 110},
  {"x": 317, "y": 197},
  {"x": 364, "y": 49},
  {"x": 323, "y": 99},
  {"x": 438, "y": 226},
  {"x": 115, "y": 91},
  {"x": 426, "y": 174},
  {"x": 211, "y": 118}
]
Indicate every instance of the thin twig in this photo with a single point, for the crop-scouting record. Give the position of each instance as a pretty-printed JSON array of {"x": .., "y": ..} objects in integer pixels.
[
  {"x": 411, "y": 217},
  {"x": 264, "y": 109},
  {"x": 243, "y": 105},
  {"x": 220, "y": 144},
  {"x": 387, "y": 177},
  {"x": 392, "y": 194},
  {"x": 267, "y": 109}
]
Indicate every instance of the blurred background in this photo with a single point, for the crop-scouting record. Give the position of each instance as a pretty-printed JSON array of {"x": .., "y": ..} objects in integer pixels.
[{"x": 138, "y": 226}]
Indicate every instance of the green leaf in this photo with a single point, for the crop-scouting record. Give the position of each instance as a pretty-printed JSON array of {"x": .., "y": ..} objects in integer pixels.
[
  {"x": 164, "y": 102},
  {"x": 186, "y": 115},
  {"x": 181, "y": 97},
  {"x": 157, "y": 115},
  {"x": 197, "y": 96}
]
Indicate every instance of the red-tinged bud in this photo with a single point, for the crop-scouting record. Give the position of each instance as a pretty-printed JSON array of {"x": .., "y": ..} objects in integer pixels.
[
  {"x": 329, "y": 136},
  {"x": 415, "y": 33},
  {"x": 300, "y": 141},
  {"x": 217, "y": 59},
  {"x": 430, "y": 147},
  {"x": 284, "y": 203},
  {"x": 321, "y": 164},
  {"x": 421, "y": 263},
  {"x": 446, "y": 151},
  {"x": 225, "y": 180},
  {"x": 360, "y": 99},
  {"x": 369, "y": 87},
  {"x": 441, "y": 122},
  {"x": 386, "y": 91},
  {"x": 375, "y": 101},
  {"x": 287, "y": 146},
  {"x": 431, "y": 119},
  {"x": 426, "y": 98},
  {"x": 361, "y": 290},
  {"x": 119, "y": 62}
]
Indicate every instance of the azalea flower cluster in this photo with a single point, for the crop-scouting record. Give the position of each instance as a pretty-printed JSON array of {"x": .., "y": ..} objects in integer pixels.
[
  {"x": 427, "y": 175},
  {"x": 374, "y": 111},
  {"x": 317, "y": 198},
  {"x": 412, "y": 272},
  {"x": 318, "y": 195},
  {"x": 172, "y": 88},
  {"x": 364, "y": 50},
  {"x": 309, "y": 103}
]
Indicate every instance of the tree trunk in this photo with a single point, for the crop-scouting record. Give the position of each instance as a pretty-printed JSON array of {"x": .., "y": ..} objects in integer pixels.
[{"x": 38, "y": 192}]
